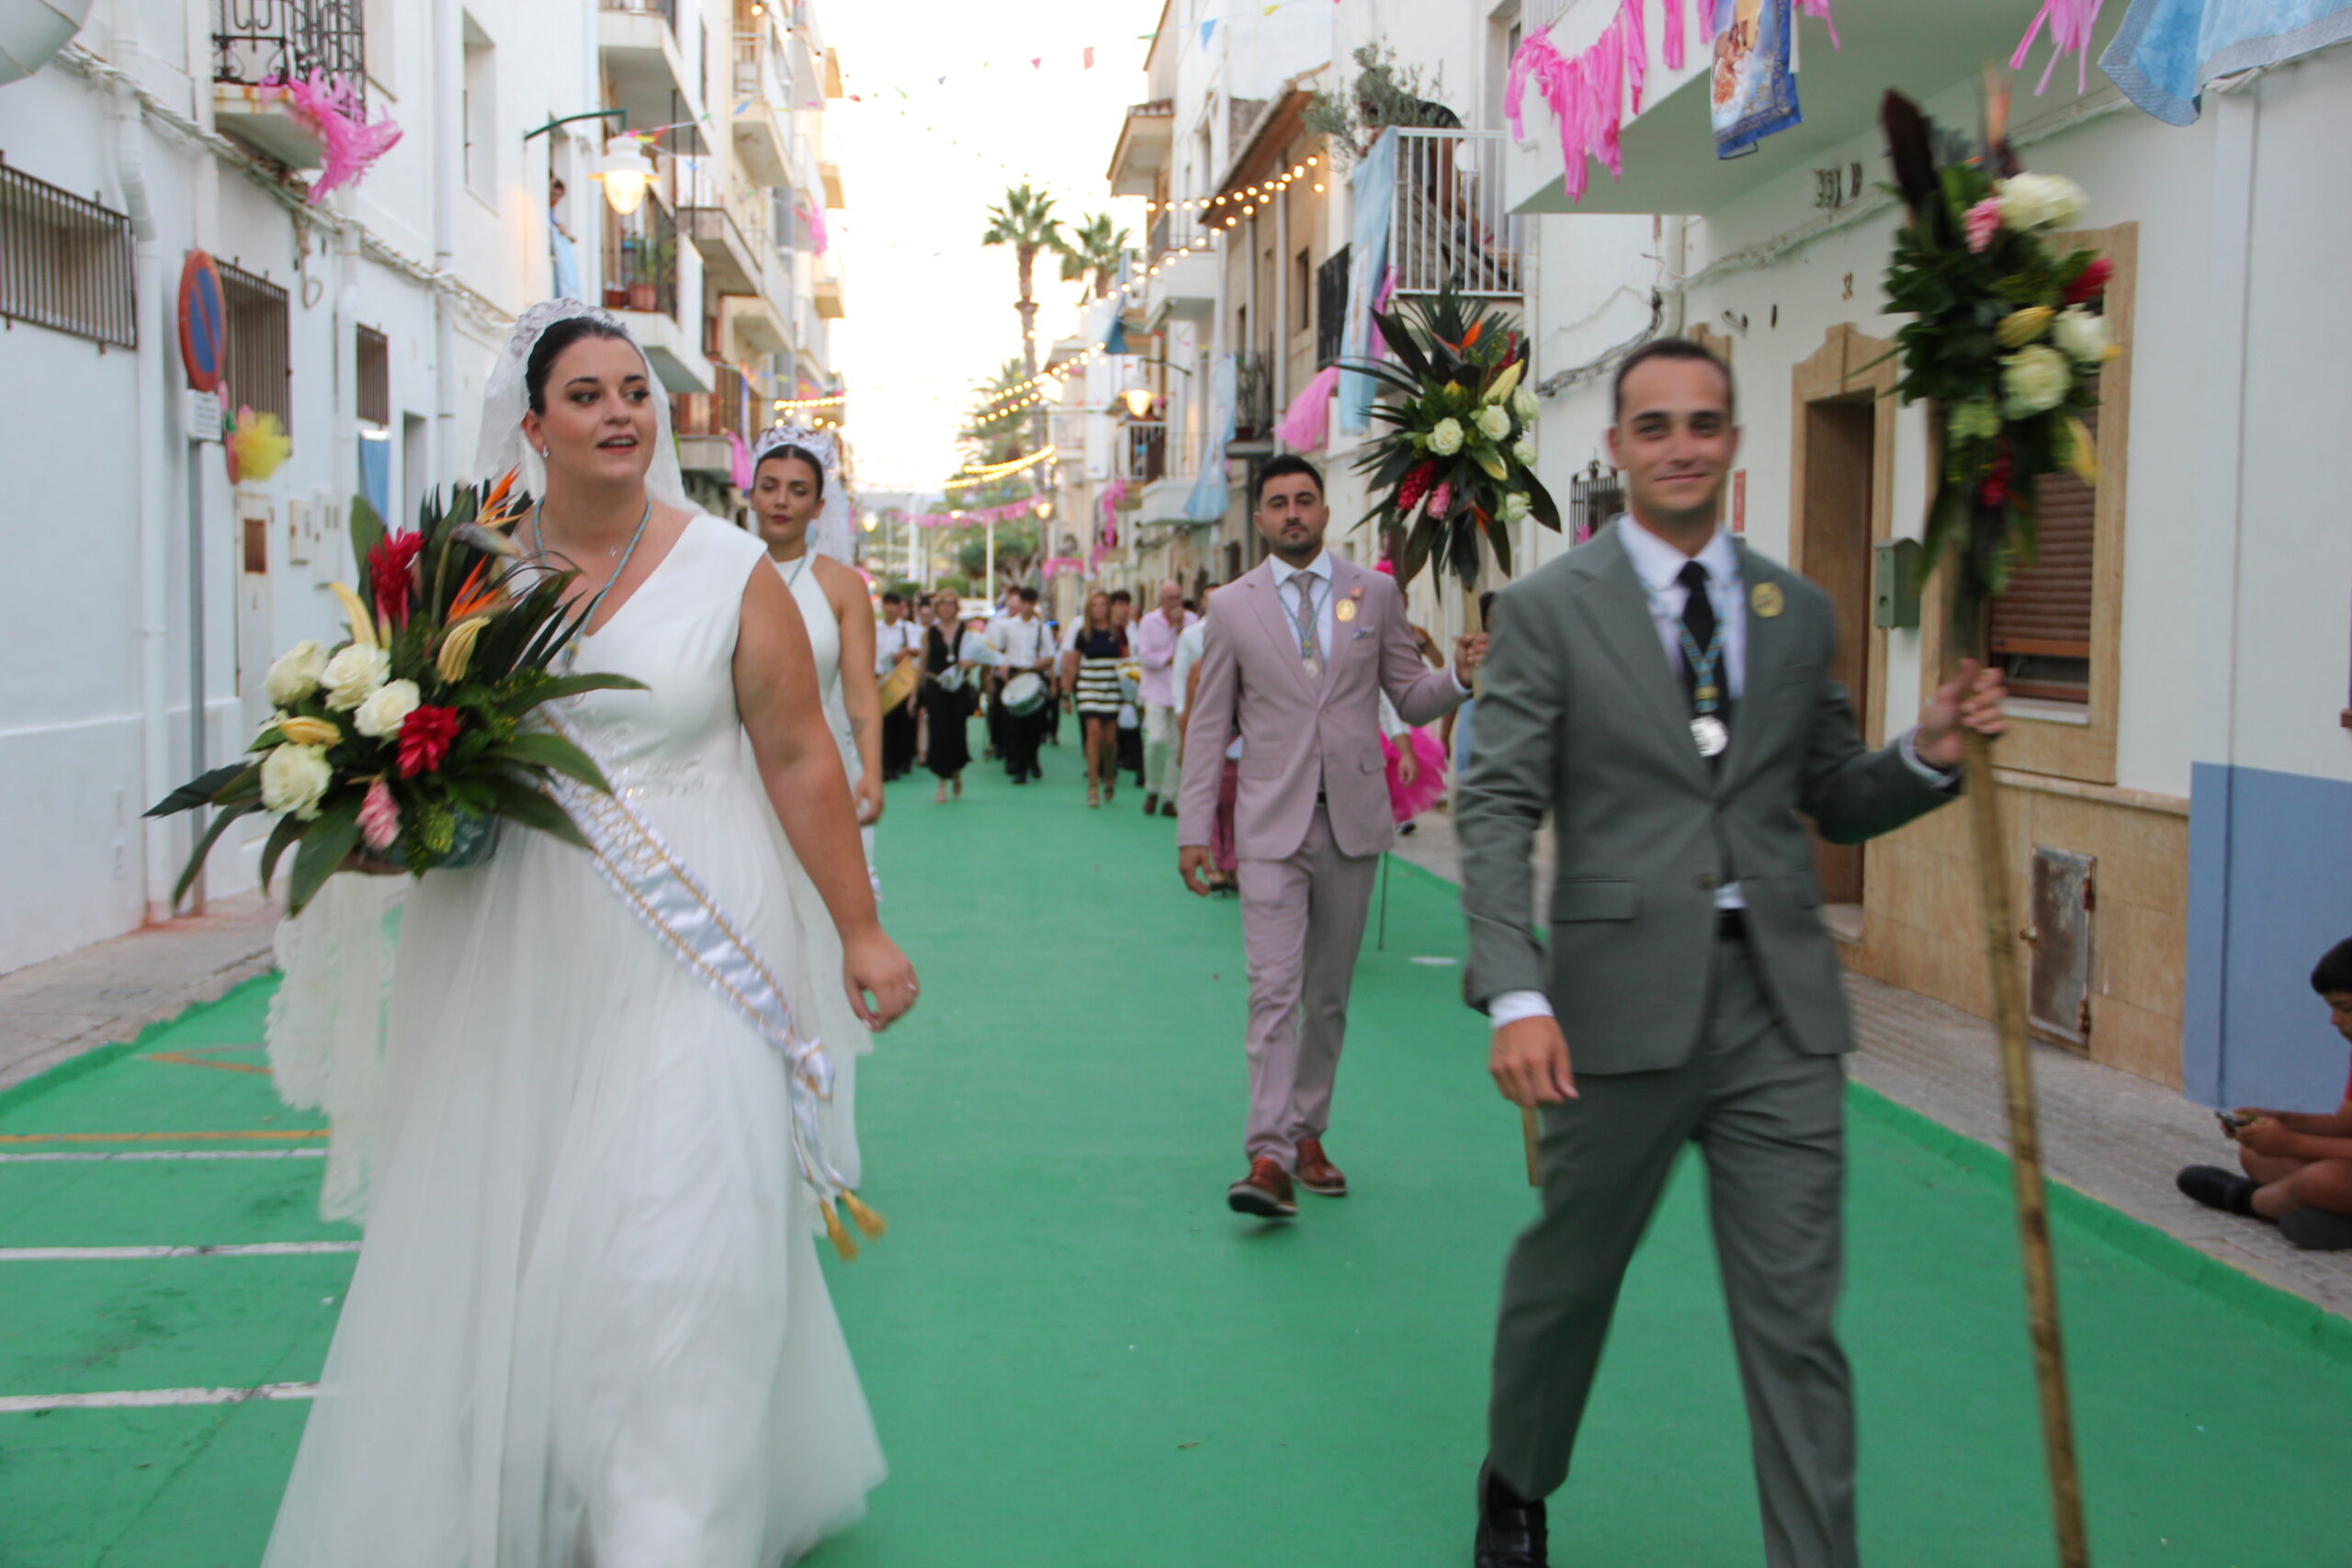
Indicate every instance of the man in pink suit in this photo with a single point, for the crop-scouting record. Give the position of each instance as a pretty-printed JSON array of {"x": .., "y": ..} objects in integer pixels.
[{"x": 1298, "y": 653}]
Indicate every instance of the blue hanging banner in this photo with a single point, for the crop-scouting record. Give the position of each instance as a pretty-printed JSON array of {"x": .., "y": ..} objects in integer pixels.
[
  {"x": 1751, "y": 88},
  {"x": 1207, "y": 27}
]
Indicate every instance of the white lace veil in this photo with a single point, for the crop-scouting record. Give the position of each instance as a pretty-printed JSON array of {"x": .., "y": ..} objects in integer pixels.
[
  {"x": 829, "y": 535},
  {"x": 506, "y": 399}
]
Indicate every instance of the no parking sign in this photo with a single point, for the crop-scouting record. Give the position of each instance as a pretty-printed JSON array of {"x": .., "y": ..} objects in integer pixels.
[{"x": 204, "y": 323}]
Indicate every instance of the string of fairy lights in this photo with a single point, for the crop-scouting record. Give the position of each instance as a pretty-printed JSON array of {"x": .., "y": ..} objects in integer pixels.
[{"x": 980, "y": 474}]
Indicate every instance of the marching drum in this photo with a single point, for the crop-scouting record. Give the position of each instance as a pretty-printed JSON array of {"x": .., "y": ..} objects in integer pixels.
[{"x": 1024, "y": 694}]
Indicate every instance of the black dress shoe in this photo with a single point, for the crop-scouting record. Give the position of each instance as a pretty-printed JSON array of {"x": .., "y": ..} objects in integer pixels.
[{"x": 1512, "y": 1532}]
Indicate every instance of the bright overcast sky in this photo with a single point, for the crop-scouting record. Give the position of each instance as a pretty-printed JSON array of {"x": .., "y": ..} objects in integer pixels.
[{"x": 930, "y": 311}]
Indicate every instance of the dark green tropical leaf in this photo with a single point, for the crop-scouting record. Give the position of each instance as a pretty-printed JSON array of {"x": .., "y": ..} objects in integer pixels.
[
  {"x": 204, "y": 847},
  {"x": 290, "y": 828},
  {"x": 203, "y": 789},
  {"x": 327, "y": 844},
  {"x": 543, "y": 750}
]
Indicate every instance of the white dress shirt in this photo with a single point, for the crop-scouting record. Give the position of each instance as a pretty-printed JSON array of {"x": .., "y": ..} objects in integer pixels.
[
  {"x": 890, "y": 637},
  {"x": 1322, "y": 579},
  {"x": 1021, "y": 642},
  {"x": 1659, "y": 567}
]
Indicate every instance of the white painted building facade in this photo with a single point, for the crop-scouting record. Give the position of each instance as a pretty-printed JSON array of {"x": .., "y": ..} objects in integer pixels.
[{"x": 369, "y": 321}]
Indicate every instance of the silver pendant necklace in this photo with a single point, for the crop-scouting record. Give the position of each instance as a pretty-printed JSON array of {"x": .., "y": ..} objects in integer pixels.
[{"x": 625, "y": 553}]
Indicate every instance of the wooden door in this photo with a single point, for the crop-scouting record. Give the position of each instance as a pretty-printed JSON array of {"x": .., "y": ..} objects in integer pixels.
[{"x": 1834, "y": 535}]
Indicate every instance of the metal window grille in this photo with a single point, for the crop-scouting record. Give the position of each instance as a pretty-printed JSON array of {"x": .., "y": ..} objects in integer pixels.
[
  {"x": 1332, "y": 309},
  {"x": 257, "y": 42},
  {"x": 1449, "y": 219},
  {"x": 65, "y": 262},
  {"x": 1593, "y": 499},
  {"x": 373, "y": 357},
  {"x": 261, "y": 365}
]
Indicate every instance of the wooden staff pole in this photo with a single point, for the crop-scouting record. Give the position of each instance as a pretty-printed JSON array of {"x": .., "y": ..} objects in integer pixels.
[{"x": 2024, "y": 1155}]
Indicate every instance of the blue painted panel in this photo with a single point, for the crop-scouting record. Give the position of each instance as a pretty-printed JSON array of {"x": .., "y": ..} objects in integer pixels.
[{"x": 2269, "y": 890}]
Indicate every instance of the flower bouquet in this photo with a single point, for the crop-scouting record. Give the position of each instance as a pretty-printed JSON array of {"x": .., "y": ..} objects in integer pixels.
[
  {"x": 2006, "y": 336},
  {"x": 1459, "y": 461},
  {"x": 407, "y": 743}
]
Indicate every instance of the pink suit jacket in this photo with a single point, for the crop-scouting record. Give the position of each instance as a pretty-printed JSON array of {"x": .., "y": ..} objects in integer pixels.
[{"x": 1299, "y": 734}]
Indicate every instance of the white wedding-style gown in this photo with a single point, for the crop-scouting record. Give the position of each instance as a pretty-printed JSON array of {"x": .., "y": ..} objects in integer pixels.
[{"x": 588, "y": 1328}]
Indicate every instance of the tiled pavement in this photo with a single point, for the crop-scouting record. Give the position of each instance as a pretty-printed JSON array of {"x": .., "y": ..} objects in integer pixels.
[
  {"x": 110, "y": 990},
  {"x": 2112, "y": 1136},
  {"x": 2115, "y": 1137}
]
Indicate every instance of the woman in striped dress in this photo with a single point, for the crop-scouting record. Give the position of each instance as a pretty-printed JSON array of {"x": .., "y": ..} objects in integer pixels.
[{"x": 1090, "y": 671}]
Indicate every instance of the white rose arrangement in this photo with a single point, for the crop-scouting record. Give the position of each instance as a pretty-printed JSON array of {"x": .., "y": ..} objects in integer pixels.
[
  {"x": 2081, "y": 336},
  {"x": 2034, "y": 379},
  {"x": 293, "y": 778},
  {"x": 355, "y": 672},
  {"x": 386, "y": 708},
  {"x": 1524, "y": 403},
  {"x": 295, "y": 675},
  {"x": 1445, "y": 437},
  {"x": 1494, "y": 422},
  {"x": 1516, "y": 506},
  {"x": 2040, "y": 201},
  {"x": 1523, "y": 450}
]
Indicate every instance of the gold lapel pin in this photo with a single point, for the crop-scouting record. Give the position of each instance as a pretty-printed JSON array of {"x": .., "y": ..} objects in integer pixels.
[{"x": 1765, "y": 599}]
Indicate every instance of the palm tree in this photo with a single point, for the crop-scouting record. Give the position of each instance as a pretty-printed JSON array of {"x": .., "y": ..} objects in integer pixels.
[
  {"x": 1027, "y": 224},
  {"x": 1094, "y": 252}
]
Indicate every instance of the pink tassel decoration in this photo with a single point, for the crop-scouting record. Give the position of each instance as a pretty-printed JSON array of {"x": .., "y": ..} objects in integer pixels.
[
  {"x": 814, "y": 216},
  {"x": 738, "y": 461},
  {"x": 1307, "y": 424},
  {"x": 1821, "y": 8},
  {"x": 2071, "y": 22},
  {"x": 1670, "y": 39},
  {"x": 348, "y": 146}
]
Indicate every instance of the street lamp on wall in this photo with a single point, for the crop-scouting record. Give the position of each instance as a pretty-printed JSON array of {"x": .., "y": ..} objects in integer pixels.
[
  {"x": 625, "y": 171},
  {"x": 1139, "y": 401}
]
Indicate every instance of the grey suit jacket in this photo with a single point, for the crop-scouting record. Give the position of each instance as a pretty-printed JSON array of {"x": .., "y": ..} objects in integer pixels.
[
  {"x": 1582, "y": 716},
  {"x": 1299, "y": 735}
]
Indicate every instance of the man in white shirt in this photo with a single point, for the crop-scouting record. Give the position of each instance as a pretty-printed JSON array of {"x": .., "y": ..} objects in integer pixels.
[
  {"x": 1024, "y": 643},
  {"x": 1664, "y": 694},
  {"x": 896, "y": 641},
  {"x": 1154, "y": 642}
]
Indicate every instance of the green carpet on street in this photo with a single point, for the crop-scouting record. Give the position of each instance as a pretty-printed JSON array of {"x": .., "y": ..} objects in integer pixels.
[{"x": 1079, "y": 1359}]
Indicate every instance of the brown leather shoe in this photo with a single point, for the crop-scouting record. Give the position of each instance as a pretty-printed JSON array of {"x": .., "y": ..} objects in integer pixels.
[
  {"x": 1264, "y": 1192},
  {"x": 1316, "y": 1174}
]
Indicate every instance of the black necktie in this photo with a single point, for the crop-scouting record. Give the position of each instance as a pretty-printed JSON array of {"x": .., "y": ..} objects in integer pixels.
[{"x": 1699, "y": 633}]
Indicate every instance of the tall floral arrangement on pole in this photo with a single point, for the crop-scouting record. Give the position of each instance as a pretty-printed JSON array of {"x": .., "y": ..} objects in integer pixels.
[
  {"x": 1457, "y": 463},
  {"x": 2005, "y": 342}
]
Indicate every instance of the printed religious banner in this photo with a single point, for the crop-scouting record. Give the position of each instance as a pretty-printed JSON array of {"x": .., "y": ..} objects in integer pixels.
[{"x": 1752, "y": 85}]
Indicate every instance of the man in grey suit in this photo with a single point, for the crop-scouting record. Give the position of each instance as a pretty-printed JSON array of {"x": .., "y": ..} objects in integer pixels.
[{"x": 1664, "y": 694}]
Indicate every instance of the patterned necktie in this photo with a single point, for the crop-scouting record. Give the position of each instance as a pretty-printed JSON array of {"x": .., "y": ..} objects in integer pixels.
[{"x": 1311, "y": 646}]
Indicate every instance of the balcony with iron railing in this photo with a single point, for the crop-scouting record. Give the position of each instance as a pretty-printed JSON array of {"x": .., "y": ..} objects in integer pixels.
[
  {"x": 665, "y": 10},
  {"x": 1253, "y": 404},
  {"x": 641, "y": 261},
  {"x": 1331, "y": 307},
  {"x": 1182, "y": 276},
  {"x": 1142, "y": 454},
  {"x": 1449, "y": 219},
  {"x": 761, "y": 111},
  {"x": 257, "y": 44}
]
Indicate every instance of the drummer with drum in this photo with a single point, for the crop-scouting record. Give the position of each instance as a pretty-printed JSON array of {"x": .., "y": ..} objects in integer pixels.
[{"x": 1024, "y": 644}]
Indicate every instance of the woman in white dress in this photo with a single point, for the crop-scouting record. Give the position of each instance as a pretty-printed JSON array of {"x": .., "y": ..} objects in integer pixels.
[{"x": 587, "y": 1329}]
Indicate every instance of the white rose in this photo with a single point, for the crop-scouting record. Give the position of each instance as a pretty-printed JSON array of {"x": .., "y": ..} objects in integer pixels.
[
  {"x": 1516, "y": 506},
  {"x": 295, "y": 675},
  {"x": 1524, "y": 450},
  {"x": 2035, "y": 379},
  {"x": 293, "y": 778},
  {"x": 2080, "y": 335},
  {"x": 1445, "y": 440},
  {"x": 1524, "y": 404},
  {"x": 386, "y": 706},
  {"x": 2040, "y": 201},
  {"x": 351, "y": 674},
  {"x": 1494, "y": 422}
]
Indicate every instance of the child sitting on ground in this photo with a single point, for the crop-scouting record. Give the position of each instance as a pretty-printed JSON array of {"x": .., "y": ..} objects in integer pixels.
[{"x": 2297, "y": 1165}]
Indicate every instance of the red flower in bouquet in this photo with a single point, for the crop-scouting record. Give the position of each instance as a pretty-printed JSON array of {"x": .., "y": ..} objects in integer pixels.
[
  {"x": 1415, "y": 485},
  {"x": 1995, "y": 489},
  {"x": 388, "y": 568},
  {"x": 2091, "y": 284},
  {"x": 426, "y": 736}
]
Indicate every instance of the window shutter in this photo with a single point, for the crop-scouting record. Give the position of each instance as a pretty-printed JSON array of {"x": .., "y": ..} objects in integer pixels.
[{"x": 2047, "y": 609}]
